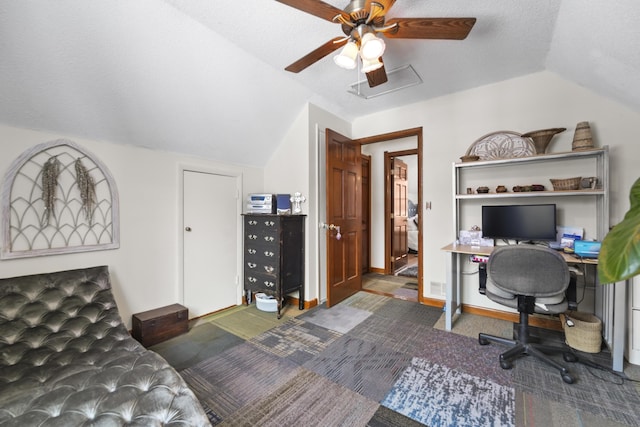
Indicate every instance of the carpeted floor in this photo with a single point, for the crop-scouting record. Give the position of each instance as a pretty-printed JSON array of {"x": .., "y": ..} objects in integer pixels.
[{"x": 382, "y": 362}]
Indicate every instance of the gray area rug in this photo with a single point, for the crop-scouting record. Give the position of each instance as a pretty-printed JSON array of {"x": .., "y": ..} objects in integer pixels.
[{"x": 409, "y": 272}]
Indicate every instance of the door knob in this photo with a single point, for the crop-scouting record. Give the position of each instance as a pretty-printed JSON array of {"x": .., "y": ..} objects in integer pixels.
[
  {"x": 332, "y": 227},
  {"x": 187, "y": 229}
]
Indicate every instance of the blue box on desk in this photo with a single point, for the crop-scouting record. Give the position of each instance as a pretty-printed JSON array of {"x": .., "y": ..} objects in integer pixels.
[{"x": 586, "y": 248}]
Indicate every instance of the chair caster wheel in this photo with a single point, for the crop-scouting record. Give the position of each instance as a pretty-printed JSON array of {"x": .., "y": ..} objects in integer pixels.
[
  {"x": 506, "y": 365},
  {"x": 568, "y": 378},
  {"x": 569, "y": 357}
]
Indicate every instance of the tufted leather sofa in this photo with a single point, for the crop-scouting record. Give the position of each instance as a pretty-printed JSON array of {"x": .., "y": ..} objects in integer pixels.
[{"x": 66, "y": 359}]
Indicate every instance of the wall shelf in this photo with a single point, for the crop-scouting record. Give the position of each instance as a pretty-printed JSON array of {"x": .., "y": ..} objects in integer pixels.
[
  {"x": 530, "y": 194},
  {"x": 584, "y": 160},
  {"x": 567, "y": 155}
]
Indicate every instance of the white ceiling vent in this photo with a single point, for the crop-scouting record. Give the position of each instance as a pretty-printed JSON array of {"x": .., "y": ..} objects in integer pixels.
[{"x": 400, "y": 78}]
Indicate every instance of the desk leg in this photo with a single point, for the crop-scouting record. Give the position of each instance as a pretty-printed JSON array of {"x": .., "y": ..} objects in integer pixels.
[
  {"x": 452, "y": 298},
  {"x": 619, "y": 325}
]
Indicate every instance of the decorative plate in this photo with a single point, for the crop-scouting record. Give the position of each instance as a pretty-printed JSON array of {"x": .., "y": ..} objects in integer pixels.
[{"x": 502, "y": 145}]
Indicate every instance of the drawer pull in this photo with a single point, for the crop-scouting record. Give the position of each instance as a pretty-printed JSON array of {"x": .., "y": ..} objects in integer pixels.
[
  {"x": 269, "y": 284},
  {"x": 252, "y": 222},
  {"x": 269, "y": 238},
  {"x": 268, "y": 253},
  {"x": 252, "y": 237},
  {"x": 251, "y": 251},
  {"x": 269, "y": 269},
  {"x": 252, "y": 264},
  {"x": 252, "y": 279},
  {"x": 269, "y": 223}
]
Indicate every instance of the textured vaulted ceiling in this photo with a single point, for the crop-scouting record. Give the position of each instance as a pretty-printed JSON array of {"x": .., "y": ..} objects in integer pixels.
[{"x": 206, "y": 77}]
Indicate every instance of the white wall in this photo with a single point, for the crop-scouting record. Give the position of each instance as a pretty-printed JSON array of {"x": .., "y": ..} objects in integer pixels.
[
  {"x": 294, "y": 167},
  {"x": 538, "y": 101},
  {"x": 145, "y": 270}
]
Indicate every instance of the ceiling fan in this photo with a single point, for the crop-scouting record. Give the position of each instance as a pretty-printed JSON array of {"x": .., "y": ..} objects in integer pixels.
[{"x": 361, "y": 21}]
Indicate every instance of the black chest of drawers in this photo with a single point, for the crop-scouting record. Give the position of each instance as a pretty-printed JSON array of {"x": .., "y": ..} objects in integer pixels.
[{"x": 274, "y": 256}]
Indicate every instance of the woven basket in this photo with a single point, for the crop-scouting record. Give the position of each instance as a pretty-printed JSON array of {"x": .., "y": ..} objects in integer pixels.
[
  {"x": 566, "y": 183},
  {"x": 586, "y": 332}
]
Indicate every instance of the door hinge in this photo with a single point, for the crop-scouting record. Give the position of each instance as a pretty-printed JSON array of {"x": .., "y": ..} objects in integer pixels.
[{"x": 391, "y": 216}]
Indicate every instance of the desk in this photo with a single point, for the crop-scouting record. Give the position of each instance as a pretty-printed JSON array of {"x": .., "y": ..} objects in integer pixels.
[{"x": 610, "y": 298}]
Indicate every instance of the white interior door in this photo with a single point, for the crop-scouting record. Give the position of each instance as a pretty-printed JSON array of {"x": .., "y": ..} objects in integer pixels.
[{"x": 210, "y": 258}]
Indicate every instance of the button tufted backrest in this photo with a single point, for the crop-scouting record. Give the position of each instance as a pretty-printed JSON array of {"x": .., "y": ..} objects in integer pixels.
[
  {"x": 67, "y": 359},
  {"x": 47, "y": 318}
]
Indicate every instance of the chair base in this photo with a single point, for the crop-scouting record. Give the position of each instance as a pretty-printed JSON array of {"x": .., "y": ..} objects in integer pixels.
[{"x": 523, "y": 347}]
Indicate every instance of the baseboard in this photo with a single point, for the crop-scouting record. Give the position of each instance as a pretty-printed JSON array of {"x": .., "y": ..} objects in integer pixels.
[
  {"x": 535, "y": 320},
  {"x": 432, "y": 302},
  {"x": 307, "y": 304}
]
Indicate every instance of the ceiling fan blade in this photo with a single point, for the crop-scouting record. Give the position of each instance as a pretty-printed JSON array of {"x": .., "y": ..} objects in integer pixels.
[
  {"x": 317, "y": 8},
  {"x": 316, "y": 55},
  {"x": 377, "y": 77},
  {"x": 430, "y": 28}
]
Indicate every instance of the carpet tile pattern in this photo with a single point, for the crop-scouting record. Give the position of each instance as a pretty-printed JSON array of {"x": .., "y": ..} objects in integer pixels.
[
  {"x": 437, "y": 395},
  {"x": 238, "y": 376},
  {"x": 296, "y": 340},
  {"x": 612, "y": 398},
  {"x": 340, "y": 318},
  {"x": 367, "y": 368},
  {"x": 375, "y": 361},
  {"x": 316, "y": 400}
]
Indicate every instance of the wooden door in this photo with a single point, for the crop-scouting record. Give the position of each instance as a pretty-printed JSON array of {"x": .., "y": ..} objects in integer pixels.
[
  {"x": 210, "y": 253},
  {"x": 344, "y": 210},
  {"x": 399, "y": 238},
  {"x": 366, "y": 213}
]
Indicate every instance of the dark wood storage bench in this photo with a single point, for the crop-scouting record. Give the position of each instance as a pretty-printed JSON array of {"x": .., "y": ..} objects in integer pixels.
[{"x": 154, "y": 326}]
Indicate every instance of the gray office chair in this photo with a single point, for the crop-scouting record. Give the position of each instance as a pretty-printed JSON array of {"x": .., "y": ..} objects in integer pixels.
[{"x": 532, "y": 279}]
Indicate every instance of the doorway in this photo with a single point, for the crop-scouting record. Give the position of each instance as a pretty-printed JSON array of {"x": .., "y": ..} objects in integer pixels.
[
  {"x": 409, "y": 139},
  {"x": 394, "y": 271}
]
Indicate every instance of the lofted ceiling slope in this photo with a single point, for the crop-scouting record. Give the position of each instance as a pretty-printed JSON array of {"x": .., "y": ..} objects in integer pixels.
[{"x": 207, "y": 78}]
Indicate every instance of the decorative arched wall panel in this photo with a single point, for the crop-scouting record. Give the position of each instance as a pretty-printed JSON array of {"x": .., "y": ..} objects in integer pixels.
[{"x": 58, "y": 198}]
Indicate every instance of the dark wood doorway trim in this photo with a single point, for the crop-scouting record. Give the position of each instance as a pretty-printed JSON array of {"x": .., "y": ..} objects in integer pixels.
[
  {"x": 406, "y": 133},
  {"x": 388, "y": 207}
]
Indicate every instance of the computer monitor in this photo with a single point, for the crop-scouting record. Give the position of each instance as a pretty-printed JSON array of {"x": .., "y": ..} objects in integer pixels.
[{"x": 519, "y": 222}]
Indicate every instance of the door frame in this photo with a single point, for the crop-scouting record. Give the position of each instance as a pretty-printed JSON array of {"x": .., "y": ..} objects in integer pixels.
[
  {"x": 388, "y": 205},
  {"x": 417, "y": 133}
]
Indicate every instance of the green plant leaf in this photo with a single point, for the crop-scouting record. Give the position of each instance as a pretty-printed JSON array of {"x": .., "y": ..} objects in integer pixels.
[{"x": 619, "y": 257}]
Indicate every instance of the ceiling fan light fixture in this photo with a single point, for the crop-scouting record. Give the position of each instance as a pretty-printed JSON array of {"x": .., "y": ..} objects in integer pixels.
[
  {"x": 371, "y": 65},
  {"x": 347, "y": 56},
  {"x": 371, "y": 47}
]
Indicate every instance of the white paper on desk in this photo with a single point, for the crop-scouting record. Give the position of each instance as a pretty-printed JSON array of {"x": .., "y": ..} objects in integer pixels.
[
  {"x": 568, "y": 231},
  {"x": 473, "y": 238}
]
